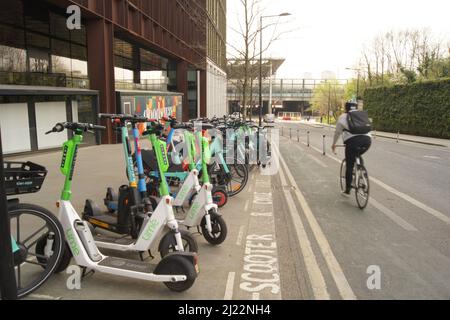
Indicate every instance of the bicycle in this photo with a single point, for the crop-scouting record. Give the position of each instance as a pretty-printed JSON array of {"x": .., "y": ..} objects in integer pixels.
[
  {"x": 37, "y": 236},
  {"x": 360, "y": 183}
]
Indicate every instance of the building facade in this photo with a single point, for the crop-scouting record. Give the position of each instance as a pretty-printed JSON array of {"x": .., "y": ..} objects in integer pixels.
[
  {"x": 216, "y": 76},
  {"x": 138, "y": 56}
]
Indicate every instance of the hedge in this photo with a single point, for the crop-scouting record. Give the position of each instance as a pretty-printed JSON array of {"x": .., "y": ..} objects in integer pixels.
[{"x": 421, "y": 108}]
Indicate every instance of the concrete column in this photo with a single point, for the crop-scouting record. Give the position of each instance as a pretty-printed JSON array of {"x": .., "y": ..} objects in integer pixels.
[
  {"x": 203, "y": 93},
  {"x": 137, "y": 65},
  {"x": 100, "y": 40},
  {"x": 182, "y": 87}
]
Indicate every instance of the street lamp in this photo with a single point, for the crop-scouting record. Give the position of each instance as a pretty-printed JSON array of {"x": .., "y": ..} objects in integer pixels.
[
  {"x": 357, "y": 83},
  {"x": 285, "y": 14}
]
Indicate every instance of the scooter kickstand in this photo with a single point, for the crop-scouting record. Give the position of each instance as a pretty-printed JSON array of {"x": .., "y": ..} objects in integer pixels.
[
  {"x": 150, "y": 254},
  {"x": 87, "y": 273}
]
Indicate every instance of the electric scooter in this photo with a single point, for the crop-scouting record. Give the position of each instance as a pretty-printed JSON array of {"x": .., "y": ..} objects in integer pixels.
[
  {"x": 177, "y": 270},
  {"x": 126, "y": 212},
  {"x": 136, "y": 208},
  {"x": 203, "y": 211}
]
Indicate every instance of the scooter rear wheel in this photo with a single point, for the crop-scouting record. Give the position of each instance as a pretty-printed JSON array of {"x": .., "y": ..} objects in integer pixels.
[
  {"x": 220, "y": 197},
  {"x": 181, "y": 267}
]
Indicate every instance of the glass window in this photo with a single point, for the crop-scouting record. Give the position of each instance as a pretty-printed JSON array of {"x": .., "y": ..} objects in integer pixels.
[
  {"x": 58, "y": 27},
  {"x": 37, "y": 17},
  {"x": 39, "y": 60},
  {"x": 12, "y": 36},
  {"x": 78, "y": 52},
  {"x": 123, "y": 74},
  {"x": 11, "y": 12},
  {"x": 12, "y": 59},
  {"x": 61, "y": 65},
  {"x": 37, "y": 40}
]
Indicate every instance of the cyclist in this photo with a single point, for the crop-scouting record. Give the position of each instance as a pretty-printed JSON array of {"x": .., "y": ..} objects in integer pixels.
[{"x": 354, "y": 127}]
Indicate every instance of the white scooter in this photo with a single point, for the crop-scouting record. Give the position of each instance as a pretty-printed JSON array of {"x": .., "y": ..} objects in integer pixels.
[{"x": 177, "y": 270}]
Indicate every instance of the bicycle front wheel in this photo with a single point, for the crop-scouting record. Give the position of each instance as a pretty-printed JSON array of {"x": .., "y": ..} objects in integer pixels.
[
  {"x": 342, "y": 176},
  {"x": 362, "y": 188},
  {"x": 40, "y": 239}
]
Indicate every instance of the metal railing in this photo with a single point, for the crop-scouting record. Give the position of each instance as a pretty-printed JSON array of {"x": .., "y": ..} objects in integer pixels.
[{"x": 43, "y": 79}]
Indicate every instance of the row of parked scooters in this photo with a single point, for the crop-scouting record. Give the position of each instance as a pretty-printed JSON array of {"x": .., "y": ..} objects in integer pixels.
[{"x": 176, "y": 187}]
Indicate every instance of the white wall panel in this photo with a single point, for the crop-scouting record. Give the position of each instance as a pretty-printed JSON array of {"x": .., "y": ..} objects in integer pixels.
[
  {"x": 47, "y": 115},
  {"x": 15, "y": 127}
]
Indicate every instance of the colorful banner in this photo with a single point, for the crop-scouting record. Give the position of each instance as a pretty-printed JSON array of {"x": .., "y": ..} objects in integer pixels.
[{"x": 157, "y": 107}]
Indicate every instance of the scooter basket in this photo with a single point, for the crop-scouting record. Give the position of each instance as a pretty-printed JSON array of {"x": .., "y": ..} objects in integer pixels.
[{"x": 23, "y": 177}]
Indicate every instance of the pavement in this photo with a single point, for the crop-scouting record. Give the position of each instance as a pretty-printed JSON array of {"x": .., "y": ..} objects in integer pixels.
[
  {"x": 389, "y": 135},
  {"x": 291, "y": 235},
  {"x": 245, "y": 266}
]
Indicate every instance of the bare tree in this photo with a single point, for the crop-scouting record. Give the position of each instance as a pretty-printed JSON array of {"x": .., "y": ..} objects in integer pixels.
[
  {"x": 403, "y": 56},
  {"x": 245, "y": 53}
]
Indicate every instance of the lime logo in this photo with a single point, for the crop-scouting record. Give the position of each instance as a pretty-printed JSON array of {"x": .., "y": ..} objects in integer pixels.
[
  {"x": 72, "y": 242},
  {"x": 164, "y": 154},
  {"x": 152, "y": 226},
  {"x": 63, "y": 161},
  {"x": 183, "y": 192},
  {"x": 194, "y": 211}
]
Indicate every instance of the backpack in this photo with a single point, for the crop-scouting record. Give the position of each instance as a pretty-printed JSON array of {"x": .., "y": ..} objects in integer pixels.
[{"x": 358, "y": 122}]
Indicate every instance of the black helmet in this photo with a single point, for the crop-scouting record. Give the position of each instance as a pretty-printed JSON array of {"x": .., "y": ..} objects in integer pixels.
[{"x": 349, "y": 106}]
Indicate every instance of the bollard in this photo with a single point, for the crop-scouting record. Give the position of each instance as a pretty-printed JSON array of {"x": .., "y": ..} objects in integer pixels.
[
  {"x": 298, "y": 135},
  {"x": 308, "y": 139},
  {"x": 324, "y": 146},
  {"x": 282, "y": 131},
  {"x": 290, "y": 133},
  {"x": 398, "y": 136}
]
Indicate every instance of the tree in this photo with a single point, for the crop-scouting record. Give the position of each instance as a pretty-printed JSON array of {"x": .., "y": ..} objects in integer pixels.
[
  {"x": 245, "y": 53},
  {"x": 328, "y": 98},
  {"x": 404, "y": 56}
]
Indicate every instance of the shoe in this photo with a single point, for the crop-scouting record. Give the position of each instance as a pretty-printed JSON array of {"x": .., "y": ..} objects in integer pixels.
[{"x": 345, "y": 194}]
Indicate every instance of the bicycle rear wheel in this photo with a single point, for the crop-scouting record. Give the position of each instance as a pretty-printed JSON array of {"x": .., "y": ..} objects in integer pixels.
[
  {"x": 41, "y": 242},
  {"x": 238, "y": 180},
  {"x": 362, "y": 187}
]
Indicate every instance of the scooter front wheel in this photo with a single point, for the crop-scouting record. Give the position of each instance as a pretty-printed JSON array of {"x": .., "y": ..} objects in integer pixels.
[
  {"x": 168, "y": 243},
  {"x": 219, "y": 230}
]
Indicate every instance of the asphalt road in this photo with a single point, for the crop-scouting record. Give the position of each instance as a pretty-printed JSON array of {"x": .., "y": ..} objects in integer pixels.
[{"x": 404, "y": 233}]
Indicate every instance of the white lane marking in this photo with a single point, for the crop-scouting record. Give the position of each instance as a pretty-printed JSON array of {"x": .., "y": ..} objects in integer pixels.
[
  {"x": 432, "y": 157},
  {"x": 240, "y": 235},
  {"x": 437, "y": 214},
  {"x": 246, "y": 205},
  {"x": 229, "y": 287},
  {"x": 317, "y": 161},
  {"x": 393, "y": 216},
  {"x": 43, "y": 297},
  {"x": 335, "y": 269},
  {"x": 256, "y": 296},
  {"x": 316, "y": 278}
]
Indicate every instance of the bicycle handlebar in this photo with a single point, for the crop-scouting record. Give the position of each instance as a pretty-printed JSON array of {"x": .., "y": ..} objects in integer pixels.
[{"x": 125, "y": 118}]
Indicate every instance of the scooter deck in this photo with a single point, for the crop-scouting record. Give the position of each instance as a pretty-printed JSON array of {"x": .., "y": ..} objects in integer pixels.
[
  {"x": 129, "y": 265},
  {"x": 122, "y": 241}
]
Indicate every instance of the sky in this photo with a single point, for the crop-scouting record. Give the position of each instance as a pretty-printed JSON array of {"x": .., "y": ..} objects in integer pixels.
[{"x": 329, "y": 35}]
